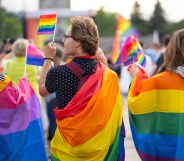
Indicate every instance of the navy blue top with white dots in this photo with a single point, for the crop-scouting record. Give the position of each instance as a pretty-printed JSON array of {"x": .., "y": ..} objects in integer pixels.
[{"x": 64, "y": 82}]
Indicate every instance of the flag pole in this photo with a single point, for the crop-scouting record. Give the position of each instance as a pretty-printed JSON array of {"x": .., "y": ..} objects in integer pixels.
[
  {"x": 55, "y": 28},
  {"x": 25, "y": 74}
]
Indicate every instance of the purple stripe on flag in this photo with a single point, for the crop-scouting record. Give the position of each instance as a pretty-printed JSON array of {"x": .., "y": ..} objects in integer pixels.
[
  {"x": 32, "y": 55},
  {"x": 45, "y": 33},
  {"x": 19, "y": 116},
  {"x": 146, "y": 157}
]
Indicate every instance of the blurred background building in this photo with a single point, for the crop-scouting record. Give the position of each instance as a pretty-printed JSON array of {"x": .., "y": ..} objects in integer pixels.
[{"x": 45, "y": 4}]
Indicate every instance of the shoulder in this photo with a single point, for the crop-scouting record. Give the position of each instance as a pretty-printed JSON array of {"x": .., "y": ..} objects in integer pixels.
[
  {"x": 4, "y": 81},
  {"x": 164, "y": 80}
]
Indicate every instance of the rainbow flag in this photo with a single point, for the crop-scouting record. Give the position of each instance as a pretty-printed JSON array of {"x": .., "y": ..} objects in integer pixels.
[
  {"x": 123, "y": 30},
  {"x": 21, "y": 131},
  {"x": 157, "y": 116},
  {"x": 131, "y": 53},
  {"x": 90, "y": 126},
  {"x": 34, "y": 56},
  {"x": 47, "y": 24}
]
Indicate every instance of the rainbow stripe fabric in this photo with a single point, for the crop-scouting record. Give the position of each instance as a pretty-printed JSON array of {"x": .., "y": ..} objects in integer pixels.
[
  {"x": 131, "y": 52},
  {"x": 34, "y": 56},
  {"x": 21, "y": 131},
  {"x": 90, "y": 126},
  {"x": 157, "y": 116},
  {"x": 47, "y": 24},
  {"x": 123, "y": 30}
]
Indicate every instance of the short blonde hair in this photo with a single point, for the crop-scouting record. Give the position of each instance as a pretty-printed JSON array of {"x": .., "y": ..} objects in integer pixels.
[
  {"x": 19, "y": 47},
  {"x": 85, "y": 30}
]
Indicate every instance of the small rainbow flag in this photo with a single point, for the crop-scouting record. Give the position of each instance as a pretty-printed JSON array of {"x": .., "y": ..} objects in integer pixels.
[
  {"x": 47, "y": 24},
  {"x": 131, "y": 52},
  {"x": 34, "y": 56},
  {"x": 123, "y": 30}
]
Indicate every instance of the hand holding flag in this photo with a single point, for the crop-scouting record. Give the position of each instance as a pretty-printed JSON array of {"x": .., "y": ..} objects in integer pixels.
[{"x": 131, "y": 52}]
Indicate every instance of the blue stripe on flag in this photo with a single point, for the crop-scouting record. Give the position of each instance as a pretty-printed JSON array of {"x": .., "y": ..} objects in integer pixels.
[
  {"x": 26, "y": 145},
  {"x": 159, "y": 145}
]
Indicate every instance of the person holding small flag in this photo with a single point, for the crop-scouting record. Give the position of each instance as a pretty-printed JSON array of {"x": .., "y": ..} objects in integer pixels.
[
  {"x": 89, "y": 104},
  {"x": 15, "y": 68},
  {"x": 157, "y": 106}
]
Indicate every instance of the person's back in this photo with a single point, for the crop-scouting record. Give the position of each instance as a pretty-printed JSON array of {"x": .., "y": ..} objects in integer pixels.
[
  {"x": 89, "y": 104},
  {"x": 15, "y": 67},
  {"x": 156, "y": 106}
]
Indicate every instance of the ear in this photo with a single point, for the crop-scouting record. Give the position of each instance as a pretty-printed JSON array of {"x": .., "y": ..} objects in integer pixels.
[{"x": 77, "y": 44}]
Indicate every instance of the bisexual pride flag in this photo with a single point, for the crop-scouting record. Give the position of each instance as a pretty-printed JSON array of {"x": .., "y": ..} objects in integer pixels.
[
  {"x": 90, "y": 126},
  {"x": 47, "y": 24},
  {"x": 21, "y": 131},
  {"x": 157, "y": 116},
  {"x": 34, "y": 56}
]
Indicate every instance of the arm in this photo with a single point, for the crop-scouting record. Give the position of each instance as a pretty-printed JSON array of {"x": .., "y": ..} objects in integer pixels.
[
  {"x": 133, "y": 69},
  {"x": 50, "y": 51},
  {"x": 137, "y": 74},
  {"x": 100, "y": 56}
]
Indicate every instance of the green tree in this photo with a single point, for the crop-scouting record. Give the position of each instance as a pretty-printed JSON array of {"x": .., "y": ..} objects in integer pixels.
[
  {"x": 10, "y": 25},
  {"x": 137, "y": 20},
  {"x": 136, "y": 17},
  {"x": 157, "y": 21},
  {"x": 106, "y": 22},
  {"x": 2, "y": 18}
]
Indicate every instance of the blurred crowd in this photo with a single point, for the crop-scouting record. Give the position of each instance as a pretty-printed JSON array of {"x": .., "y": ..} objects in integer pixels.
[{"x": 12, "y": 63}]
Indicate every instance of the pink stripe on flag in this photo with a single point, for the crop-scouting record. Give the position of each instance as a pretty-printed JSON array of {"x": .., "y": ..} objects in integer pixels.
[
  {"x": 34, "y": 52},
  {"x": 9, "y": 94}
]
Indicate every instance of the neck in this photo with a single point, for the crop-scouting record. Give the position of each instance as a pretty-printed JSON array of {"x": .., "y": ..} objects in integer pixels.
[{"x": 79, "y": 52}]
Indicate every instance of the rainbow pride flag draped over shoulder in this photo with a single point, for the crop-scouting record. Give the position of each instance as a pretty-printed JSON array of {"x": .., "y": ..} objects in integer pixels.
[
  {"x": 21, "y": 132},
  {"x": 90, "y": 126},
  {"x": 157, "y": 116}
]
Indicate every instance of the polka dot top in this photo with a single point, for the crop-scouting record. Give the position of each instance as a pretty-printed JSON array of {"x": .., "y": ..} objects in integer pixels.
[{"x": 64, "y": 82}]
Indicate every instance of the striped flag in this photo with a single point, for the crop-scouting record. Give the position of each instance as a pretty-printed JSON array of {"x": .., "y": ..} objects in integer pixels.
[
  {"x": 131, "y": 52},
  {"x": 34, "y": 56},
  {"x": 90, "y": 126},
  {"x": 47, "y": 24},
  {"x": 157, "y": 116},
  {"x": 123, "y": 30},
  {"x": 21, "y": 131}
]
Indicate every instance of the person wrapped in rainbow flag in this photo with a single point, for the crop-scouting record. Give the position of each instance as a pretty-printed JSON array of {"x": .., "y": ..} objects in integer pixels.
[
  {"x": 157, "y": 106},
  {"x": 21, "y": 131},
  {"x": 89, "y": 104}
]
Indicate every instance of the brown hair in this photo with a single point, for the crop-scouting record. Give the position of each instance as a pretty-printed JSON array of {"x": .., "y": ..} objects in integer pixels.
[
  {"x": 19, "y": 47},
  {"x": 174, "y": 54},
  {"x": 85, "y": 30}
]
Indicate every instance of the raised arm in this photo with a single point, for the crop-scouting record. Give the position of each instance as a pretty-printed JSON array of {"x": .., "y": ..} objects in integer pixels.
[{"x": 50, "y": 51}]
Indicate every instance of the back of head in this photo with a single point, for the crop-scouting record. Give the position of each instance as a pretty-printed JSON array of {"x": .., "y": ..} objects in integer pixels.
[
  {"x": 165, "y": 40},
  {"x": 85, "y": 30},
  {"x": 19, "y": 47},
  {"x": 174, "y": 55}
]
